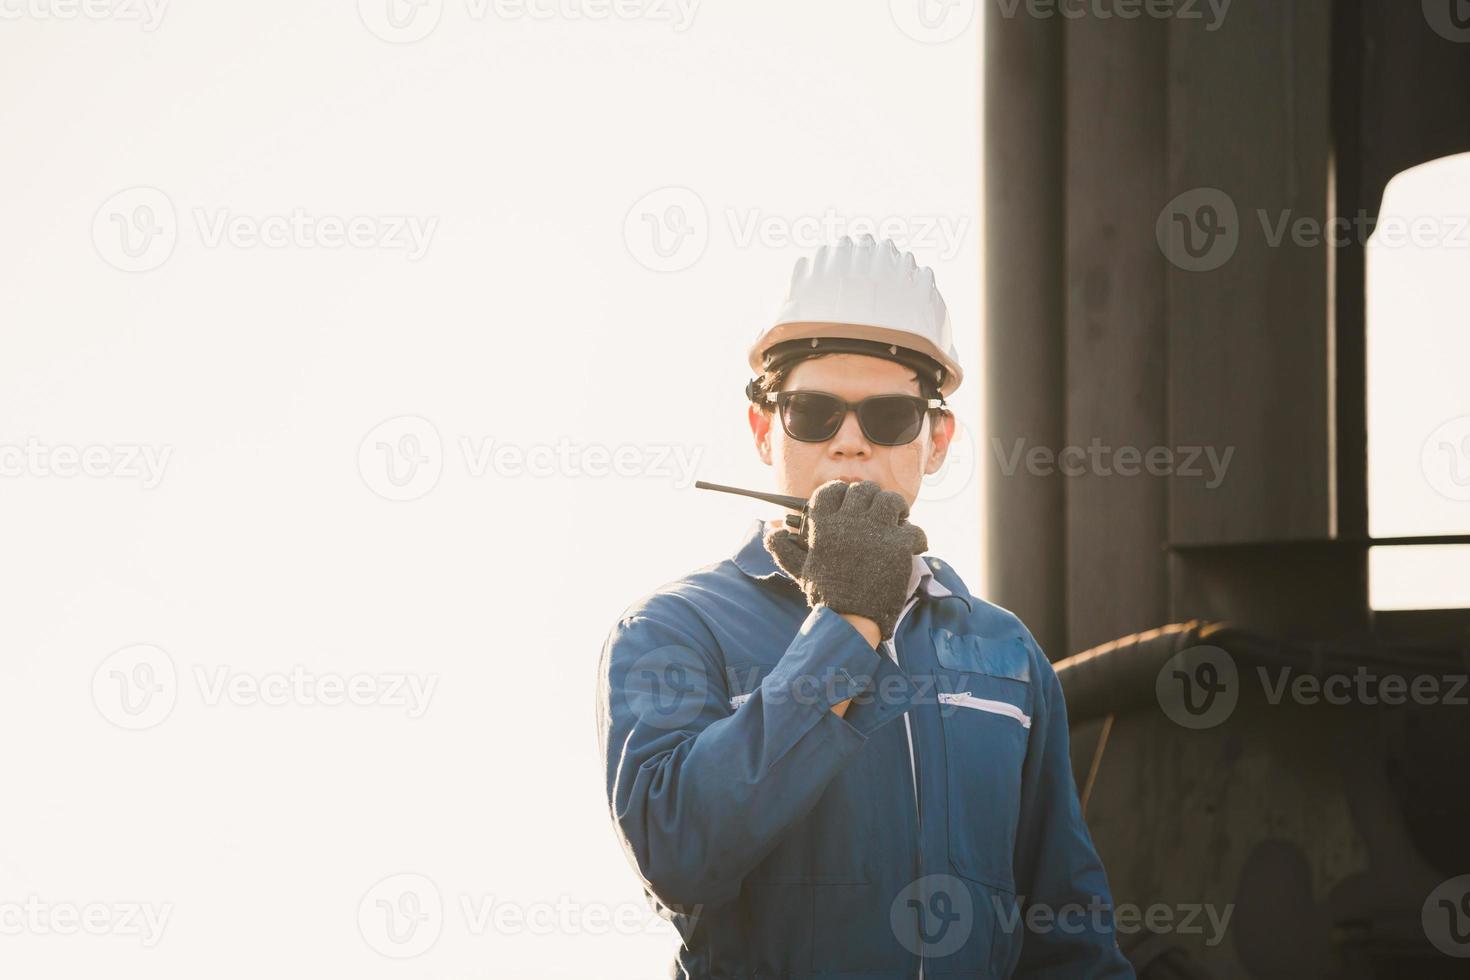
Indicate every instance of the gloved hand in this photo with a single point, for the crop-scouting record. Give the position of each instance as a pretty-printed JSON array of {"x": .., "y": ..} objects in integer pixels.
[{"x": 857, "y": 555}]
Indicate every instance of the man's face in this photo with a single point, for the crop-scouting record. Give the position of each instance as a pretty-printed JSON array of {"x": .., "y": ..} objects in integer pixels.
[{"x": 801, "y": 467}]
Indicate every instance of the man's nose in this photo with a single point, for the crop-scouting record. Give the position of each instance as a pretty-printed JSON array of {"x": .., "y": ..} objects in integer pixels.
[{"x": 849, "y": 439}]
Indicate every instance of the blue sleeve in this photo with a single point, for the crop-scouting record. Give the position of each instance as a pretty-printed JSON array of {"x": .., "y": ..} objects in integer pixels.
[
  {"x": 700, "y": 793},
  {"x": 1056, "y": 864}
]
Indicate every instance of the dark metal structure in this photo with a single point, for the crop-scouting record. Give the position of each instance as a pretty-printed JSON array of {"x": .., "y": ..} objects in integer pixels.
[{"x": 1324, "y": 827}]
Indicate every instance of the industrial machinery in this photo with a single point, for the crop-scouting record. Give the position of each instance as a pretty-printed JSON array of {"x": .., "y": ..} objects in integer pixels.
[{"x": 1236, "y": 739}]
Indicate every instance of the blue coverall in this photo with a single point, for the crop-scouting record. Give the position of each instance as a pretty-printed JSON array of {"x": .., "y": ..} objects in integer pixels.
[{"x": 917, "y": 835}]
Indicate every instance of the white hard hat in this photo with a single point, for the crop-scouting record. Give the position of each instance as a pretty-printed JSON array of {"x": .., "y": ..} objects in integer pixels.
[{"x": 863, "y": 297}]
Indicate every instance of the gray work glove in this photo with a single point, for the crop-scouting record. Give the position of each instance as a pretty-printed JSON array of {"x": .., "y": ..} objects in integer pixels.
[{"x": 857, "y": 555}]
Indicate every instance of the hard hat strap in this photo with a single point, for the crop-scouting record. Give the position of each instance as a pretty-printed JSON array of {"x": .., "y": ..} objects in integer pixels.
[{"x": 779, "y": 355}]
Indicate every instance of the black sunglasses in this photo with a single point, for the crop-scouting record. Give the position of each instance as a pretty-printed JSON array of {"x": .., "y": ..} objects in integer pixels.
[{"x": 887, "y": 420}]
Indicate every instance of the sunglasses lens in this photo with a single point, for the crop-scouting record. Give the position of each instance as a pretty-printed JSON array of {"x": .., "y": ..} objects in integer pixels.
[
  {"x": 892, "y": 421},
  {"x": 811, "y": 416}
]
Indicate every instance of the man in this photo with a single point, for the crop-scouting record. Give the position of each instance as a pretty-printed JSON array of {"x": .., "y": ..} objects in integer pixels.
[{"x": 824, "y": 756}]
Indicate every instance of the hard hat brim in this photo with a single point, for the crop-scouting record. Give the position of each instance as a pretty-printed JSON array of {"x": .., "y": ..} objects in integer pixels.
[{"x": 902, "y": 340}]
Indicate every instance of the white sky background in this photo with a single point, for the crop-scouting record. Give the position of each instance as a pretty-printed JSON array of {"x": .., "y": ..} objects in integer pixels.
[
  {"x": 1418, "y": 399},
  {"x": 529, "y": 319}
]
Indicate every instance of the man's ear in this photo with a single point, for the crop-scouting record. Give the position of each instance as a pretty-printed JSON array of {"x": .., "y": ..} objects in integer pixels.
[
  {"x": 939, "y": 440},
  {"x": 760, "y": 428}
]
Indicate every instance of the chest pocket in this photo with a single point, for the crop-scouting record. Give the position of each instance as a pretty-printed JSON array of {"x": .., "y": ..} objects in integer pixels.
[{"x": 984, "y": 696}]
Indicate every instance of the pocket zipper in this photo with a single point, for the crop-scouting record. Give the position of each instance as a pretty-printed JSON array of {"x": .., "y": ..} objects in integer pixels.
[{"x": 967, "y": 700}]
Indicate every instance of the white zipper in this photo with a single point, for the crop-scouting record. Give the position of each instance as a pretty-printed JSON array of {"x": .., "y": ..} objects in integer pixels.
[
  {"x": 891, "y": 644},
  {"x": 967, "y": 700}
]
